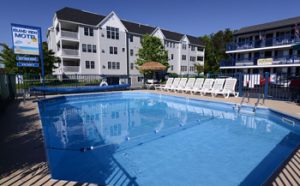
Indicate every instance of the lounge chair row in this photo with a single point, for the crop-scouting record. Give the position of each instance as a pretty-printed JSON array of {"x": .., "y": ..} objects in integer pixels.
[{"x": 225, "y": 87}]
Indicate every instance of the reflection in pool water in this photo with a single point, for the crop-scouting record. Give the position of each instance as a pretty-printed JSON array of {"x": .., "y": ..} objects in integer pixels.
[{"x": 147, "y": 139}]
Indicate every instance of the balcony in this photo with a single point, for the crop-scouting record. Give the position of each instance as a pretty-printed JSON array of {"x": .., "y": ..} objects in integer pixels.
[
  {"x": 283, "y": 60},
  {"x": 269, "y": 42},
  {"x": 70, "y": 68},
  {"x": 70, "y": 52},
  {"x": 69, "y": 34}
]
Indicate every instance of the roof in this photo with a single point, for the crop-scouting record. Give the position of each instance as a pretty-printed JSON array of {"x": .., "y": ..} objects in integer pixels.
[
  {"x": 152, "y": 66},
  {"x": 270, "y": 25},
  {"x": 138, "y": 28},
  {"x": 79, "y": 16},
  {"x": 83, "y": 17}
]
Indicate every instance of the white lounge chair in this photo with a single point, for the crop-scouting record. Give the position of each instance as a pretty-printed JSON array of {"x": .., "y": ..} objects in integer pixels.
[
  {"x": 228, "y": 89},
  {"x": 218, "y": 86},
  {"x": 167, "y": 85},
  {"x": 174, "y": 84},
  {"x": 207, "y": 85},
  {"x": 197, "y": 86},
  {"x": 181, "y": 84},
  {"x": 189, "y": 85}
]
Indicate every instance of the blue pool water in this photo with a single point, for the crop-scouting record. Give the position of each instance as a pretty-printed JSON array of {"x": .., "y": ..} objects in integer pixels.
[{"x": 130, "y": 138}]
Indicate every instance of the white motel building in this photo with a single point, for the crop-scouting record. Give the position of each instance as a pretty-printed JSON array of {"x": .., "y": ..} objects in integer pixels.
[
  {"x": 88, "y": 43},
  {"x": 271, "y": 47}
]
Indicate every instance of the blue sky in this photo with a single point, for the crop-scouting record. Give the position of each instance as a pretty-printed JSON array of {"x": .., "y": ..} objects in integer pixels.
[{"x": 195, "y": 17}]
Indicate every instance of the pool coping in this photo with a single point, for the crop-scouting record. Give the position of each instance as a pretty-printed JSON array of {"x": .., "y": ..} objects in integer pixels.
[{"x": 185, "y": 96}]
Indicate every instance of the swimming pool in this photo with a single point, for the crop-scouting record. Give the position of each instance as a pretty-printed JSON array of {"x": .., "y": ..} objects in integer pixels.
[{"x": 134, "y": 138}]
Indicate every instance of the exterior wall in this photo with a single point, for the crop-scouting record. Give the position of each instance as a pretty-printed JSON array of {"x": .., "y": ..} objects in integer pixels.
[
  {"x": 57, "y": 42},
  {"x": 88, "y": 56}
]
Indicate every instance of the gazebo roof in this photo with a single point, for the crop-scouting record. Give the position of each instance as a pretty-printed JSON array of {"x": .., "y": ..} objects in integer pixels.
[{"x": 153, "y": 66}]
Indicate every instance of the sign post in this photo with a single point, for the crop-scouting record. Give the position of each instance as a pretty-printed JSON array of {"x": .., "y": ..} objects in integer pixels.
[{"x": 27, "y": 44}]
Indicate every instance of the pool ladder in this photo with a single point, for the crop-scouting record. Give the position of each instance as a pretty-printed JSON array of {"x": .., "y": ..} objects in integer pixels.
[{"x": 238, "y": 107}]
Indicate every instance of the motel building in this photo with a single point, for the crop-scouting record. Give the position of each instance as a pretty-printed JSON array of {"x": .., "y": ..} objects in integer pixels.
[
  {"x": 272, "y": 47},
  {"x": 88, "y": 43}
]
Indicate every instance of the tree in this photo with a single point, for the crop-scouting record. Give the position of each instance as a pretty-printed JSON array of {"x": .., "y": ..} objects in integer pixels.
[
  {"x": 10, "y": 62},
  {"x": 152, "y": 50},
  {"x": 215, "y": 46},
  {"x": 199, "y": 68}
]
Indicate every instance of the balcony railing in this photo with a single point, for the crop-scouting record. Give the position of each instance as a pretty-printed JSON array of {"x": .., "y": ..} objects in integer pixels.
[
  {"x": 70, "y": 52},
  {"x": 71, "y": 68},
  {"x": 276, "y": 41},
  {"x": 69, "y": 34},
  {"x": 253, "y": 61}
]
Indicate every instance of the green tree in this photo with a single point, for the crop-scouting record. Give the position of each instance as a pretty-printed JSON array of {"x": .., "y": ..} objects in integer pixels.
[
  {"x": 215, "y": 46},
  {"x": 152, "y": 50},
  {"x": 199, "y": 69},
  {"x": 10, "y": 62}
]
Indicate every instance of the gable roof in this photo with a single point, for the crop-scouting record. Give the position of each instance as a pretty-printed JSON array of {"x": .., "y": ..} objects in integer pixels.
[
  {"x": 83, "y": 17},
  {"x": 270, "y": 25},
  {"x": 79, "y": 16},
  {"x": 138, "y": 28}
]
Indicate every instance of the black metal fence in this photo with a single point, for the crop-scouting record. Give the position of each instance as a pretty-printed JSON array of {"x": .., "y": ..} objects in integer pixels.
[
  {"x": 26, "y": 81},
  {"x": 276, "y": 86}
]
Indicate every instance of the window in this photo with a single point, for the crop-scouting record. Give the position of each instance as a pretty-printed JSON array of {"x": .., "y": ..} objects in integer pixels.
[
  {"x": 123, "y": 49},
  {"x": 199, "y": 58},
  {"x": 183, "y": 57},
  {"x": 192, "y": 48},
  {"x": 91, "y": 32},
  {"x": 184, "y": 45},
  {"x": 87, "y": 64},
  {"x": 200, "y": 49},
  {"x": 192, "y": 58},
  {"x": 131, "y": 66},
  {"x": 94, "y": 49},
  {"x": 131, "y": 52},
  {"x": 92, "y": 64},
  {"x": 89, "y": 47},
  {"x": 113, "y": 65},
  {"x": 192, "y": 69},
  {"x": 83, "y": 47},
  {"x": 183, "y": 68},
  {"x": 131, "y": 38},
  {"x": 86, "y": 31},
  {"x": 113, "y": 50},
  {"x": 112, "y": 32},
  {"x": 172, "y": 67},
  {"x": 109, "y": 65},
  {"x": 172, "y": 56}
]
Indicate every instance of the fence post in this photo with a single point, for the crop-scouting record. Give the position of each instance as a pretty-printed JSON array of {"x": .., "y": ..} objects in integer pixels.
[
  {"x": 266, "y": 85},
  {"x": 240, "y": 84}
]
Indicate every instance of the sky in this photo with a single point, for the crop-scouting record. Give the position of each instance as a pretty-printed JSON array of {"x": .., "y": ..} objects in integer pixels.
[{"x": 194, "y": 17}]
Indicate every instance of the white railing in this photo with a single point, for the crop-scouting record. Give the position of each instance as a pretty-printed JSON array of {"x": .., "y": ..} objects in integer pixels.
[
  {"x": 71, "y": 68},
  {"x": 68, "y": 34},
  {"x": 70, "y": 52}
]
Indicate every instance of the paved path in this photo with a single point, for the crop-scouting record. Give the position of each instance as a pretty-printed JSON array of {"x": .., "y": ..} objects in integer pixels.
[{"x": 22, "y": 156}]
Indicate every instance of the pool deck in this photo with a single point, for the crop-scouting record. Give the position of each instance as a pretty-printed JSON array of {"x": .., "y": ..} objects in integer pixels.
[{"x": 23, "y": 160}]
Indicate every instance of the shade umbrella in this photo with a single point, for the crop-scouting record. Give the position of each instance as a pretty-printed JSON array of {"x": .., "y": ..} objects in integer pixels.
[{"x": 152, "y": 66}]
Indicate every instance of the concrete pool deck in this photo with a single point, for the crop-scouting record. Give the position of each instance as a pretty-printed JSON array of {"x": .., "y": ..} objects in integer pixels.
[{"x": 23, "y": 160}]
